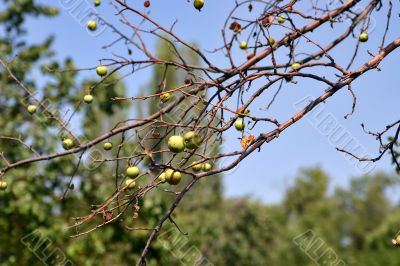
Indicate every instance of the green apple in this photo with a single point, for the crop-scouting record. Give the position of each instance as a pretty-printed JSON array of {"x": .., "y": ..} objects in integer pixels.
[
  {"x": 31, "y": 109},
  {"x": 192, "y": 140},
  {"x": 88, "y": 98},
  {"x": 3, "y": 185},
  {"x": 101, "y": 71},
  {"x": 271, "y": 41},
  {"x": 175, "y": 178},
  {"x": 363, "y": 37},
  {"x": 196, "y": 167},
  {"x": 239, "y": 124},
  {"x": 67, "y": 143},
  {"x": 296, "y": 66},
  {"x": 176, "y": 144},
  {"x": 92, "y": 25},
  {"x": 130, "y": 183},
  {"x": 132, "y": 171},
  {"x": 243, "y": 45},
  {"x": 165, "y": 97},
  {"x": 107, "y": 146},
  {"x": 207, "y": 167},
  {"x": 162, "y": 178},
  {"x": 281, "y": 19},
  {"x": 198, "y": 4},
  {"x": 97, "y": 2}
]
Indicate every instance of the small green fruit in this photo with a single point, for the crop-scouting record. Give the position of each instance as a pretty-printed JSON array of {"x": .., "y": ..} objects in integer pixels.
[
  {"x": 130, "y": 183},
  {"x": 97, "y": 2},
  {"x": 175, "y": 178},
  {"x": 198, "y": 4},
  {"x": 168, "y": 174},
  {"x": 281, "y": 19},
  {"x": 3, "y": 185},
  {"x": 207, "y": 167},
  {"x": 296, "y": 66},
  {"x": 107, "y": 146},
  {"x": 243, "y": 45},
  {"x": 165, "y": 97},
  {"x": 31, "y": 109},
  {"x": 68, "y": 143},
  {"x": 176, "y": 144},
  {"x": 363, "y": 37},
  {"x": 133, "y": 171},
  {"x": 92, "y": 25},
  {"x": 88, "y": 99},
  {"x": 239, "y": 124},
  {"x": 271, "y": 41},
  {"x": 192, "y": 140},
  {"x": 162, "y": 178},
  {"x": 101, "y": 71},
  {"x": 196, "y": 167}
]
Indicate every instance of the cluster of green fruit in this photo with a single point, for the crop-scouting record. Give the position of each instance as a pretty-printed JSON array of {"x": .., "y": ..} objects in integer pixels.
[
  {"x": 191, "y": 140},
  {"x": 176, "y": 144},
  {"x": 205, "y": 167},
  {"x": 171, "y": 176},
  {"x": 101, "y": 71},
  {"x": 271, "y": 40},
  {"x": 132, "y": 172},
  {"x": 363, "y": 37}
]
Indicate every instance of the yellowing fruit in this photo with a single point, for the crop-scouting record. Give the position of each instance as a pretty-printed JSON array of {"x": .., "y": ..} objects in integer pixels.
[
  {"x": 31, "y": 109},
  {"x": 133, "y": 171},
  {"x": 296, "y": 66},
  {"x": 363, "y": 37},
  {"x": 101, "y": 71},
  {"x": 175, "y": 179},
  {"x": 176, "y": 144},
  {"x": 88, "y": 99},
  {"x": 68, "y": 143},
  {"x": 243, "y": 45},
  {"x": 198, "y": 4},
  {"x": 239, "y": 124},
  {"x": 107, "y": 146},
  {"x": 92, "y": 25},
  {"x": 130, "y": 183},
  {"x": 192, "y": 140}
]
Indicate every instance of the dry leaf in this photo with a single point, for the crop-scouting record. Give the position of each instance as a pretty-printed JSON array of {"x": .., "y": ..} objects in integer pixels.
[
  {"x": 236, "y": 27},
  {"x": 267, "y": 21},
  {"x": 107, "y": 216},
  {"x": 246, "y": 140}
]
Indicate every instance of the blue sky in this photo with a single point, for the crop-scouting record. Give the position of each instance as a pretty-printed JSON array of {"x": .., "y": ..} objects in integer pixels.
[{"x": 264, "y": 175}]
